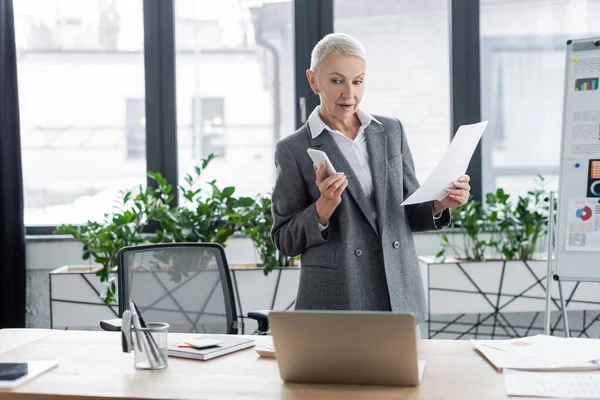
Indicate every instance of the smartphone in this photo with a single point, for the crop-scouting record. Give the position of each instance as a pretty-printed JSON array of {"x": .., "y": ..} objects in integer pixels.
[{"x": 317, "y": 156}]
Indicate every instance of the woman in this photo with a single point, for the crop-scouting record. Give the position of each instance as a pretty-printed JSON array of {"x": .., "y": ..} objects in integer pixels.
[{"x": 354, "y": 236}]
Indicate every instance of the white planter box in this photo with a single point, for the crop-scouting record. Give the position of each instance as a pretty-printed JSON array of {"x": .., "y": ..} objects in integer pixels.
[
  {"x": 471, "y": 287},
  {"x": 75, "y": 301},
  {"x": 75, "y": 295},
  {"x": 491, "y": 289}
]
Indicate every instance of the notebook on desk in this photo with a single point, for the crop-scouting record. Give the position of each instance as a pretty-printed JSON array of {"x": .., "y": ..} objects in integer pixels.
[{"x": 227, "y": 344}]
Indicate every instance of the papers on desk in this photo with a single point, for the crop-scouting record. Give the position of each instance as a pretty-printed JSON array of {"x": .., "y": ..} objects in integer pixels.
[
  {"x": 421, "y": 366},
  {"x": 452, "y": 165},
  {"x": 542, "y": 352},
  {"x": 530, "y": 365},
  {"x": 564, "y": 385}
]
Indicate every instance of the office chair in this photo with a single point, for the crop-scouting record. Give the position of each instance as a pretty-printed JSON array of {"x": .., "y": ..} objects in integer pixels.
[{"x": 187, "y": 285}]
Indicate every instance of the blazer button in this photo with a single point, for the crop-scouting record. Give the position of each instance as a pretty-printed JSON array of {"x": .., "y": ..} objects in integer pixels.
[
  {"x": 396, "y": 244},
  {"x": 358, "y": 252}
]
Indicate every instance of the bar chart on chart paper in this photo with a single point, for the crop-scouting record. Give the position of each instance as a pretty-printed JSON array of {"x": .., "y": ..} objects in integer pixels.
[{"x": 585, "y": 84}]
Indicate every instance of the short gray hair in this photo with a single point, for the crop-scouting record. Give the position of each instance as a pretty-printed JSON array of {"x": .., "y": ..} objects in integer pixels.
[{"x": 336, "y": 44}]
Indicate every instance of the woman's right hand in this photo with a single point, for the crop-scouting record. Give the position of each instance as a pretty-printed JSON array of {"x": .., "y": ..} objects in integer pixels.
[{"x": 331, "y": 189}]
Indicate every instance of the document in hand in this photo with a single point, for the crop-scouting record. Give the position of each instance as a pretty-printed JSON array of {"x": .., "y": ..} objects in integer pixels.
[
  {"x": 452, "y": 165},
  {"x": 542, "y": 352}
]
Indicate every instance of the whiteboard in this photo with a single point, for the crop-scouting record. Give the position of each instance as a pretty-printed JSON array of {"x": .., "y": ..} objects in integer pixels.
[{"x": 577, "y": 249}]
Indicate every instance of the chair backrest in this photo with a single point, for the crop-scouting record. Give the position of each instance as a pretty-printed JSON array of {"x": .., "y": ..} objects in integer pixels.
[{"x": 187, "y": 285}]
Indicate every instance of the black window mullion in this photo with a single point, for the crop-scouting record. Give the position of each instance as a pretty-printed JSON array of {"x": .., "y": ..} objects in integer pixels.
[
  {"x": 159, "y": 66},
  {"x": 465, "y": 85},
  {"x": 313, "y": 19}
]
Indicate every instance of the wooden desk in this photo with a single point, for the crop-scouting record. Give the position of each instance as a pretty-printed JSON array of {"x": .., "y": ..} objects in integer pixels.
[
  {"x": 13, "y": 338},
  {"x": 91, "y": 365}
]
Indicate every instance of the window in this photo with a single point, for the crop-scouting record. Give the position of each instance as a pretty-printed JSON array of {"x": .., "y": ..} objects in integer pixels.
[
  {"x": 209, "y": 122},
  {"x": 81, "y": 89},
  {"x": 136, "y": 128},
  {"x": 522, "y": 82},
  {"x": 407, "y": 45},
  {"x": 235, "y": 88}
]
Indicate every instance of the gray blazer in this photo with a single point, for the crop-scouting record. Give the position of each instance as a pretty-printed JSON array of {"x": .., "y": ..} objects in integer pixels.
[{"x": 357, "y": 263}]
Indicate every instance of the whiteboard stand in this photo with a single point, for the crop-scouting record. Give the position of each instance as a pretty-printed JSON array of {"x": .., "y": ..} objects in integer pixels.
[
  {"x": 559, "y": 280},
  {"x": 563, "y": 307},
  {"x": 551, "y": 275},
  {"x": 549, "y": 270}
]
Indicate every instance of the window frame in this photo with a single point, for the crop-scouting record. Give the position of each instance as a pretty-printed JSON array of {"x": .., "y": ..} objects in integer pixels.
[
  {"x": 465, "y": 79},
  {"x": 312, "y": 20}
]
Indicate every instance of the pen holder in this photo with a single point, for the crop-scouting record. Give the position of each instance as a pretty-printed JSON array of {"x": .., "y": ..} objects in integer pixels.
[
  {"x": 149, "y": 341},
  {"x": 150, "y": 346}
]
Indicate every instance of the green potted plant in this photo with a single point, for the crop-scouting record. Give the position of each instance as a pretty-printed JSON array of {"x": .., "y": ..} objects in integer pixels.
[
  {"x": 514, "y": 228},
  {"x": 102, "y": 239},
  {"x": 257, "y": 224},
  {"x": 200, "y": 218},
  {"x": 472, "y": 220},
  {"x": 521, "y": 223},
  {"x": 205, "y": 214},
  {"x": 496, "y": 270}
]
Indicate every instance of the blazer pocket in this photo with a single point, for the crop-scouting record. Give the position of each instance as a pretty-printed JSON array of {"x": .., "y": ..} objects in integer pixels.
[
  {"x": 319, "y": 257},
  {"x": 394, "y": 161},
  {"x": 313, "y": 267}
]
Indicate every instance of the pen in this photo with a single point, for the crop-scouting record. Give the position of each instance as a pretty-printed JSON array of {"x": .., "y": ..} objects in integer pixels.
[{"x": 137, "y": 310}]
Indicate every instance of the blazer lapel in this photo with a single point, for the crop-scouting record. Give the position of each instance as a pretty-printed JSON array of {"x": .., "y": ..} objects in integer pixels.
[
  {"x": 377, "y": 148},
  {"x": 326, "y": 143}
]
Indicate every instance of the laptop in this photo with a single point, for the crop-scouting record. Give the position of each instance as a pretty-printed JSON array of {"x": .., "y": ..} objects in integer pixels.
[{"x": 347, "y": 347}]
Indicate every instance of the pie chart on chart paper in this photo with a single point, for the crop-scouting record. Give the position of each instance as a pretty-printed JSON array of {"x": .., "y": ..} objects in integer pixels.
[{"x": 584, "y": 213}]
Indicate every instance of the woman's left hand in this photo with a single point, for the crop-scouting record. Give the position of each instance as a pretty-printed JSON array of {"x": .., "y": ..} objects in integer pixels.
[{"x": 457, "y": 195}]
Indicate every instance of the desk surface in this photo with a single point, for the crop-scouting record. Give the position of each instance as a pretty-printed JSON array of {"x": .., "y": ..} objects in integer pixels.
[
  {"x": 13, "y": 338},
  {"x": 91, "y": 364}
]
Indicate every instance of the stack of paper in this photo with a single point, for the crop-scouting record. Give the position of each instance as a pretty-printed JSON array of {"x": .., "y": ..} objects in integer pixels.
[
  {"x": 542, "y": 352},
  {"x": 545, "y": 355}
]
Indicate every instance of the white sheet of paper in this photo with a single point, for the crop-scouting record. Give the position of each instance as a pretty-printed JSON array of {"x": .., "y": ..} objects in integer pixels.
[
  {"x": 452, "y": 165},
  {"x": 503, "y": 359},
  {"x": 421, "y": 364},
  {"x": 564, "y": 385},
  {"x": 554, "y": 351}
]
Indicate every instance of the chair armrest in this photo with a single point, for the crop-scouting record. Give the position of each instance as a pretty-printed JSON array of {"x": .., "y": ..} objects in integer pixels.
[
  {"x": 262, "y": 317},
  {"x": 113, "y": 325}
]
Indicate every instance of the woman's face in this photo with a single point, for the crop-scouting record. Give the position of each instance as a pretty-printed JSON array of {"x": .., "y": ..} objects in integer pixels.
[{"x": 339, "y": 81}]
